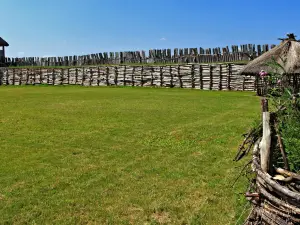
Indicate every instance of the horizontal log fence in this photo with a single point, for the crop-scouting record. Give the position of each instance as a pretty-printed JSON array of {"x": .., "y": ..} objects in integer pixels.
[{"x": 197, "y": 76}]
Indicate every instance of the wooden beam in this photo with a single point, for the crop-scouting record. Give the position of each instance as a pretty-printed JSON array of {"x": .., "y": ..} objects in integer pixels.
[{"x": 265, "y": 145}]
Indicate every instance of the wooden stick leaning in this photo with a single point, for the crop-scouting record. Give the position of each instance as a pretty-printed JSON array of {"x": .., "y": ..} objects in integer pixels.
[{"x": 266, "y": 139}]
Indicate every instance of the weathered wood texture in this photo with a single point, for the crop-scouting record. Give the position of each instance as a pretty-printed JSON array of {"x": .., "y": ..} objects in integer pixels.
[
  {"x": 186, "y": 55},
  {"x": 197, "y": 76}
]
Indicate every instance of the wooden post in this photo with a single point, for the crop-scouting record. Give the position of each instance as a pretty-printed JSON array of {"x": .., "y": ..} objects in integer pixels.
[
  {"x": 83, "y": 77},
  {"x": 76, "y": 75},
  {"x": 27, "y": 77},
  {"x": 152, "y": 71},
  {"x": 1, "y": 77},
  {"x": 107, "y": 74},
  {"x": 41, "y": 79},
  {"x": 201, "y": 77},
  {"x": 53, "y": 77},
  {"x": 265, "y": 145},
  {"x": 21, "y": 76},
  {"x": 161, "y": 76},
  {"x": 210, "y": 78},
  {"x": 171, "y": 76},
  {"x": 14, "y": 76},
  {"x": 256, "y": 84},
  {"x": 62, "y": 76},
  {"x": 229, "y": 77},
  {"x": 132, "y": 76},
  {"x": 91, "y": 76},
  {"x": 220, "y": 78},
  {"x": 7, "y": 78},
  {"x": 98, "y": 76},
  {"x": 68, "y": 75},
  {"x": 179, "y": 76},
  {"x": 124, "y": 76},
  {"x": 116, "y": 76},
  {"x": 34, "y": 77},
  {"x": 193, "y": 75},
  {"x": 142, "y": 76}
]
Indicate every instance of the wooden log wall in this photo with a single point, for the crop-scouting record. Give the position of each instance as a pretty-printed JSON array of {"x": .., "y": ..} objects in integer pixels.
[
  {"x": 197, "y": 76},
  {"x": 182, "y": 55}
]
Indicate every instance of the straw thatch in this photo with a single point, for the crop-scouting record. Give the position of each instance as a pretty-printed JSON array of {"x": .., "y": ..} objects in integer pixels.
[
  {"x": 3, "y": 42},
  {"x": 287, "y": 51}
]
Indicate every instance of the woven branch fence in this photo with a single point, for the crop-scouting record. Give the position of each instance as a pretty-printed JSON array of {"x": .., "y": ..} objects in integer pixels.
[{"x": 274, "y": 192}]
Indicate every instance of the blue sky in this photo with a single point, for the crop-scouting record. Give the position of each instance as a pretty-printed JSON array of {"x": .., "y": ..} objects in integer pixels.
[{"x": 68, "y": 27}]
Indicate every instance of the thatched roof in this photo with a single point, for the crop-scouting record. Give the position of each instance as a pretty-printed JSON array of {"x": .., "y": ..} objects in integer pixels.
[
  {"x": 288, "y": 50},
  {"x": 3, "y": 42}
]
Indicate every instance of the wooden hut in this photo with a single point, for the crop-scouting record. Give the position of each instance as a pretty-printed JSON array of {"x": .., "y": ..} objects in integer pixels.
[{"x": 287, "y": 54}]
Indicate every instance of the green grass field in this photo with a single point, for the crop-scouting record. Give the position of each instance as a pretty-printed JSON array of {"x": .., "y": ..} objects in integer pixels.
[{"x": 90, "y": 155}]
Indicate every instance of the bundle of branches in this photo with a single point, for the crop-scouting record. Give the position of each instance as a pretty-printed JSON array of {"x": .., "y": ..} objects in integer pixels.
[
  {"x": 274, "y": 192},
  {"x": 275, "y": 199}
]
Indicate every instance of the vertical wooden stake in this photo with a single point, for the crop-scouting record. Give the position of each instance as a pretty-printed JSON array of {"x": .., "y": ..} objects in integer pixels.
[
  {"x": 83, "y": 77},
  {"x": 243, "y": 87},
  {"x": 98, "y": 76},
  {"x": 41, "y": 79},
  {"x": 107, "y": 74},
  {"x": 91, "y": 76},
  {"x": 161, "y": 75},
  {"x": 62, "y": 76},
  {"x": 179, "y": 76},
  {"x": 142, "y": 76},
  {"x": 201, "y": 77},
  {"x": 7, "y": 77},
  {"x": 53, "y": 77},
  {"x": 256, "y": 84},
  {"x": 1, "y": 76},
  {"x": 27, "y": 76},
  {"x": 210, "y": 78},
  {"x": 21, "y": 77},
  {"x": 14, "y": 76},
  {"x": 68, "y": 75},
  {"x": 76, "y": 75},
  {"x": 229, "y": 77},
  {"x": 132, "y": 76},
  {"x": 124, "y": 77},
  {"x": 220, "y": 78},
  {"x": 193, "y": 75},
  {"x": 171, "y": 76},
  {"x": 116, "y": 76},
  {"x": 265, "y": 145},
  {"x": 152, "y": 71}
]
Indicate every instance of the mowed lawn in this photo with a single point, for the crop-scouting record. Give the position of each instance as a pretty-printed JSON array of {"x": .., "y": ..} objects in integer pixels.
[{"x": 90, "y": 155}]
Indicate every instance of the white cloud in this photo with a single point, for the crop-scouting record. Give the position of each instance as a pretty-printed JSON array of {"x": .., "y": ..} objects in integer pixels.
[{"x": 163, "y": 39}]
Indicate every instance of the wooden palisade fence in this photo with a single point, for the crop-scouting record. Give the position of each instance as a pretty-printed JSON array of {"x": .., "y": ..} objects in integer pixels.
[{"x": 181, "y": 55}]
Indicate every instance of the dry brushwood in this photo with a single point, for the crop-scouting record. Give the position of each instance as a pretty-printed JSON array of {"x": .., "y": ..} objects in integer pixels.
[
  {"x": 273, "y": 203},
  {"x": 283, "y": 153},
  {"x": 275, "y": 197},
  {"x": 250, "y": 138}
]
